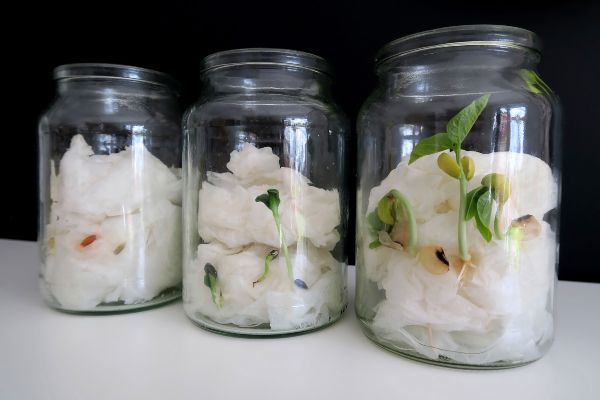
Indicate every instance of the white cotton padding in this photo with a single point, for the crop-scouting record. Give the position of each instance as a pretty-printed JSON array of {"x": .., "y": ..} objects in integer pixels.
[
  {"x": 129, "y": 202},
  {"x": 502, "y": 311}
]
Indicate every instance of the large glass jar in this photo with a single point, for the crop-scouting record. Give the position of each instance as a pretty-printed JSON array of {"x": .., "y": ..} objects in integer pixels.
[
  {"x": 458, "y": 196},
  {"x": 264, "y": 195},
  {"x": 110, "y": 189}
]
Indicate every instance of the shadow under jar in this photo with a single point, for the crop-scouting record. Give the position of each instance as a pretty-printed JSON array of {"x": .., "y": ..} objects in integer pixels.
[
  {"x": 458, "y": 196},
  {"x": 110, "y": 190},
  {"x": 264, "y": 195}
]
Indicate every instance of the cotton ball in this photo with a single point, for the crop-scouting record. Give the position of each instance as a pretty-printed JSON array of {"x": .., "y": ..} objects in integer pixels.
[
  {"x": 112, "y": 184},
  {"x": 251, "y": 162}
]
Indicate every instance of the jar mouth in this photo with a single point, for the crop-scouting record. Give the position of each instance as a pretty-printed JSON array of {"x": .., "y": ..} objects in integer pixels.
[
  {"x": 115, "y": 71},
  {"x": 266, "y": 57},
  {"x": 457, "y": 36}
]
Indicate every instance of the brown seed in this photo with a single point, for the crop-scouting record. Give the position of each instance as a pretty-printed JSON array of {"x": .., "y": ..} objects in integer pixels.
[
  {"x": 51, "y": 243},
  {"x": 88, "y": 240},
  {"x": 526, "y": 227},
  {"x": 434, "y": 260},
  {"x": 119, "y": 248}
]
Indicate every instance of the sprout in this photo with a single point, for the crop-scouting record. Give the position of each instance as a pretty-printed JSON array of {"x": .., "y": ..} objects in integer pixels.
[
  {"x": 272, "y": 201},
  {"x": 211, "y": 280},
  {"x": 270, "y": 257},
  {"x": 394, "y": 223},
  {"x": 457, "y": 129}
]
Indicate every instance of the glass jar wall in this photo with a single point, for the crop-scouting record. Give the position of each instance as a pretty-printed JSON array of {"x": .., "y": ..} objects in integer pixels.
[
  {"x": 110, "y": 189},
  {"x": 264, "y": 195},
  {"x": 458, "y": 197}
]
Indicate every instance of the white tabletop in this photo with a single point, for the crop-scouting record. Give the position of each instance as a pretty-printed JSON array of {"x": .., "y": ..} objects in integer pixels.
[{"x": 160, "y": 354}]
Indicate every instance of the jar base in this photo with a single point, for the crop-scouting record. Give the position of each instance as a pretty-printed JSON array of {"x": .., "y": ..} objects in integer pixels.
[
  {"x": 262, "y": 330},
  {"x": 166, "y": 296},
  {"x": 440, "y": 362}
]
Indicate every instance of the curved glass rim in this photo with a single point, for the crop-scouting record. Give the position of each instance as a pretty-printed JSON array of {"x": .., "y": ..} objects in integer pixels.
[
  {"x": 461, "y": 35},
  {"x": 266, "y": 57},
  {"x": 116, "y": 71}
]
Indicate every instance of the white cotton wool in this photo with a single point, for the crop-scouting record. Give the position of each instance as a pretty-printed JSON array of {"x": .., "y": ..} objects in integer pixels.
[
  {"x": 112, "y": 184},
  {"x": 124, "y": 207},
  {"x": 133, "y": 258},
  {"x": 229, "y": 212},
  {"x": 238, "y": 233},
  {"x": 501, "y": 313},
  {"x": 276, "y": 300}
]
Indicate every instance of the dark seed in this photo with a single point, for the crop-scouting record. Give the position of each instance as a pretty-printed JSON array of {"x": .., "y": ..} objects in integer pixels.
[
  {"x": 300, "y": 283},
  {"x": 210, "y": 269},
  {"x": 119, "y": 249},
  {"x": 523, "y": 218},
  {"x": 274, "y": 254},
  {"x": 439, "y": 253}
]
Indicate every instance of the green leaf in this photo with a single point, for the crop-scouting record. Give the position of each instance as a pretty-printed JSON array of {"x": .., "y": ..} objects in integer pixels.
[
  {"x": 534, "y": 83},
  {"x": 374, "y": 244},
  {"x": 486, "y": 233},
  {"x": 431, "y": 145},
  {"x": 484, "y": 208},
  {"x": 269, "y": 199},
  {"x": 471, "y": 201},
  {"x": 375, "y": 223},
  {"x": 460, "y": 125}
]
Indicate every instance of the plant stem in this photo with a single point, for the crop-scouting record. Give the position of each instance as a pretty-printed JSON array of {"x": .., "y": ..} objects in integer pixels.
[
  {"x": 283, "y": 245},
  {"x": 463, "y": 246},
  {"x": 499, "y": 234}
]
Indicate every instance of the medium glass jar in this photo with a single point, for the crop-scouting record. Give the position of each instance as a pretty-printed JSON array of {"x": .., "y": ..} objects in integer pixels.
[
  {"x": 264, "y": 195},
  {"x": 458, "y": 199},
  {"x": 110, "y": 189}
]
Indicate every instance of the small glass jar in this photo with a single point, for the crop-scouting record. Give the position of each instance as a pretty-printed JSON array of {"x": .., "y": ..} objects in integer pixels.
[
  {"x": 264, "y": 195},
  {"x": 458, "y": 199},
  {"x": 110, "y": 189}
]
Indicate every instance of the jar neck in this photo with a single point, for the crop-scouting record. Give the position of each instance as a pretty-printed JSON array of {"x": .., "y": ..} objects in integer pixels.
[
  {"x": 112, "y": 87},
  {"x": 455, "y": 69},
  {"x": 254, "y": 79}
]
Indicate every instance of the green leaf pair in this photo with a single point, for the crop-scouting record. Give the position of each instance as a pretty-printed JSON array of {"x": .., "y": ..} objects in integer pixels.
[
  {"x": 479, "y": 206},
  {"x": 534, "y": 83},
  {"x": 457, "y": 129}
]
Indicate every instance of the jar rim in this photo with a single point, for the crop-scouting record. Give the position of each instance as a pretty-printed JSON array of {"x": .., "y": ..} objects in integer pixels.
[
  {"x": 268, "y": 57},
  {"x": 460, "y": 35},
  {"x": 115, "y": 71}
]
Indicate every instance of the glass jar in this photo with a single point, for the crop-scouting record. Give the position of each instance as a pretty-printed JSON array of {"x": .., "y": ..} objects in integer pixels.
[
  {"x": 458, "y": 199},
  {"x": 110, "y": 189},
  {"x": 264, "y": 195}
]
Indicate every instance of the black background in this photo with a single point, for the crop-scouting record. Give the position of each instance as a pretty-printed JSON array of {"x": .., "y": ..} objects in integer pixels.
[{"x": 175, "y": 35}]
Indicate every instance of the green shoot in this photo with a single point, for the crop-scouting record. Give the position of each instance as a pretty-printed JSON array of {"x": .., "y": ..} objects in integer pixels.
[
  {"x": 270, "y": 257},
  {"x": 272, "y": 201},
  {"x": 393, "y": 223},
  {"x": 211, "y": 280},
  {"x": 461, "y": 168}
]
